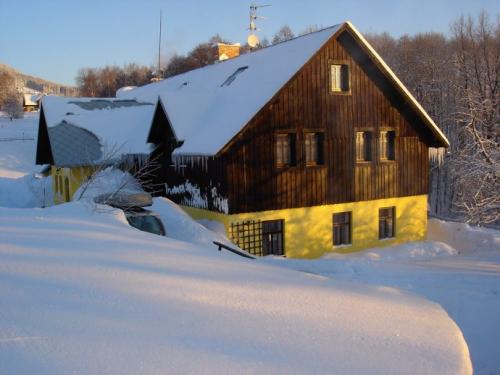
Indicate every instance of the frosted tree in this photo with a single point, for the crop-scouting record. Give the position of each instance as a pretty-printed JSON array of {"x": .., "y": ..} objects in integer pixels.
[{"x": 477, "y": 149}]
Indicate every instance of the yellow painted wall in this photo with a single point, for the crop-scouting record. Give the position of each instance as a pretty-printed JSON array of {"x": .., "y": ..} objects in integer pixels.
[
  {"x": 309, "y": 230},
  {"x": 75, "y": 175}
]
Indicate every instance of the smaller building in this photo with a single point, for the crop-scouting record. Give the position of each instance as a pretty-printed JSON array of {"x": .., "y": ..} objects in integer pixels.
[
  {"x": 31, "y": 102},
  {"x": 78, "y": 135}
]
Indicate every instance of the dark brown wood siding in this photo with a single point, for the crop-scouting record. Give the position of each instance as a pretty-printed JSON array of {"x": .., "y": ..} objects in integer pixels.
[{"x": 306, "y": 104}]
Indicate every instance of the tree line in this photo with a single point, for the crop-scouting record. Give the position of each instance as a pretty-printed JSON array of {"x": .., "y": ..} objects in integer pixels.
[{"x": 103, "y": 82}]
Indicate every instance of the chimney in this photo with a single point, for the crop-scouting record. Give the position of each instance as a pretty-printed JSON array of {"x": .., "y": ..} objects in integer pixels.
[{"x": 227, "y": 51}]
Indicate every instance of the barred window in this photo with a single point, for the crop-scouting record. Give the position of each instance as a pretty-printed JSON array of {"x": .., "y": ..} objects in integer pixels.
[
  {"x": 363, "y": 146},
  {"x": 387, "y": 145},
  {"x": 342, "y": 228},
  {"x": 386, "y": 222}
]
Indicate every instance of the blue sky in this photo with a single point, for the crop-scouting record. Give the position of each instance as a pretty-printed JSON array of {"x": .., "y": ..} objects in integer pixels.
[{"x": 52, "y": 39}]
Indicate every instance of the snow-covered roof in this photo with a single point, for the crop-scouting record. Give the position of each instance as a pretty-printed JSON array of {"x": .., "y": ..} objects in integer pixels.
[
  {"x": 120, "y": 127},
  {"x": 32, "y": 99},
  {"x": 207, "y": 107},
  {"x": 210, "y": 105}
]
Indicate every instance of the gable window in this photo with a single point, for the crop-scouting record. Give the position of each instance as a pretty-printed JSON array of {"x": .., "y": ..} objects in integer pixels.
[
  {"x": 387, "y": 145},
  {"x": 341, "y": 228},
  {"x": 285, "y": 150},
  {"x": 314, "y": 148},
  {"x": 363, "y": 146},
  {"x": 386, "y": 219},
  {"x": 339, "y": 77}
]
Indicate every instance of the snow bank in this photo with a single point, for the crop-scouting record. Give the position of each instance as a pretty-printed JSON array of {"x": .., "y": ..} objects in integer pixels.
[
  {"x": 465, "y": 283},
  {"x": 27, "y": 191},
  {"x": 82, "y": 292},
  {"x": 463, "y": 237},
  {"x": 181, "y": 226}
]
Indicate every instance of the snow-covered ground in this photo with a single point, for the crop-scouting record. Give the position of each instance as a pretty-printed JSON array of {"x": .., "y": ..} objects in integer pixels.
[
  {"x": 20, "y": 184},
  {"x": 463, "y": 279},
  {"x": 83, "y": 292}
]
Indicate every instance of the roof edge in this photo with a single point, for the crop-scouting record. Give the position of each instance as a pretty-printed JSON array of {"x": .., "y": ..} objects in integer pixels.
[{"x": 430, "y": 122}]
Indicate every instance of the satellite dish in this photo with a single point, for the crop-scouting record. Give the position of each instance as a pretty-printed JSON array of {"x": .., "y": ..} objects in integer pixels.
[{"x": 253, "y": 40}]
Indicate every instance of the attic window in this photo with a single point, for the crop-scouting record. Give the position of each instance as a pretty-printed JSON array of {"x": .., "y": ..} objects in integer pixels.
[
  {"x": 339, "y": 78},
  {"x": 233, "y": 76}
]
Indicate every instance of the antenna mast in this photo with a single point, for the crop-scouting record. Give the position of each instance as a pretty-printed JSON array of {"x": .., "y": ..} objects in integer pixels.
[
  {"x": 158, "y": 73},
  {"x": 253, "y": 40}
]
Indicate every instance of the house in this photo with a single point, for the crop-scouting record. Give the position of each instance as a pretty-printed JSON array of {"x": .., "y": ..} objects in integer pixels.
[
  {"x": 306, "y": 147},
  {"x": 77, "y": 135},
  {"x": 31, "y": 102}
]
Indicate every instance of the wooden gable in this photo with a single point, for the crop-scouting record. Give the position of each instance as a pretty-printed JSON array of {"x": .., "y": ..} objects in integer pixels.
[{"x": 306, "y": 103}]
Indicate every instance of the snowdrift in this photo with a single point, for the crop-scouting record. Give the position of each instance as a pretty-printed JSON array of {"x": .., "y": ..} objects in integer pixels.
[{"x": 82, "y": 292}]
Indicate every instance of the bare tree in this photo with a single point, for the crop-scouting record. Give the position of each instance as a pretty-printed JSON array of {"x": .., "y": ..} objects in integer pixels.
[
  {"x": 283, "y": 34},
  {"x": 13, "y": 107}
]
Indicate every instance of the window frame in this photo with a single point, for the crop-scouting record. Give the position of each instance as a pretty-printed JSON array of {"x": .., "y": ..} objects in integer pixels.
[
  {"x": 380, "y": 146},
  {"x": 292, "y": 139},
  {"x": 370, "y": 150},
  {"x": 345, "y": 77},
  {"x": 319, "y": 135},
  {"x": 392, "y": 216},
  {"x": 341, "y": 225}
]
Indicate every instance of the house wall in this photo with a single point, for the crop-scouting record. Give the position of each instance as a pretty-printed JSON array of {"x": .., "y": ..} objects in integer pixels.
[
  {"x": 75, "y": 176},
  {"x": 307, "y": 104},
  {"x": 309, "y": 230}
]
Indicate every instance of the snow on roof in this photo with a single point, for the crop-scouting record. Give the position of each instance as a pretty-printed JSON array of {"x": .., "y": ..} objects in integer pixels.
[
  {"x": 124, "y": 89},
  {"x": 208, "y": 106},
  {"x": 121, "y": 126},
  {"x": 32, "y": 99}
]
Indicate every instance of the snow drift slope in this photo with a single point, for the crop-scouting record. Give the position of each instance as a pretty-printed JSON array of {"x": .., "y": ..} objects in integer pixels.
[{"x": 82, "y": 292}]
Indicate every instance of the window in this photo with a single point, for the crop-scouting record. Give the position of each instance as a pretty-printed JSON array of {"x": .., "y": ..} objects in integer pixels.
[
  {"x": 314, "y": 148},
  {"x": 233, "y": 76},
  {"x": 339, "y": 78},
  {"x": 363, "y": 146},
  {"x": 386, "y": 222},
  {"x": 272, "y": 237},
  {"x": 387, "y": 145},
  {"x": 61, "y": 188},
  {"x": 285, "y": 150},
  {"x": 342, "y": 228},
  {"x": 66, "y": 189}
]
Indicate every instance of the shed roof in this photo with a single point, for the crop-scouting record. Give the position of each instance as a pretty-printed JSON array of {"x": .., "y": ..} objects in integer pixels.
[{"x": 83, "y": 130}]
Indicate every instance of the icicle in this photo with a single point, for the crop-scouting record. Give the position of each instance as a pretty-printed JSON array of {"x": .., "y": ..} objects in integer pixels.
[{"x": 436, "y": 154}]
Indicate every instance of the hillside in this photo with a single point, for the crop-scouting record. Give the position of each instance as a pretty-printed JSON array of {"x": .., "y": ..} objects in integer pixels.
[{"x": 27, "y": 84}]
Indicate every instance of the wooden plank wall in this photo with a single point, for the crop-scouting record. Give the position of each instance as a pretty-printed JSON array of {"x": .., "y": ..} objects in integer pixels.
[{"x": 254, "y": 183}]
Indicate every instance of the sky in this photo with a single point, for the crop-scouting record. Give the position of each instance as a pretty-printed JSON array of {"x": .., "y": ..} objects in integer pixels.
[{"x": 53, "y": 39}]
